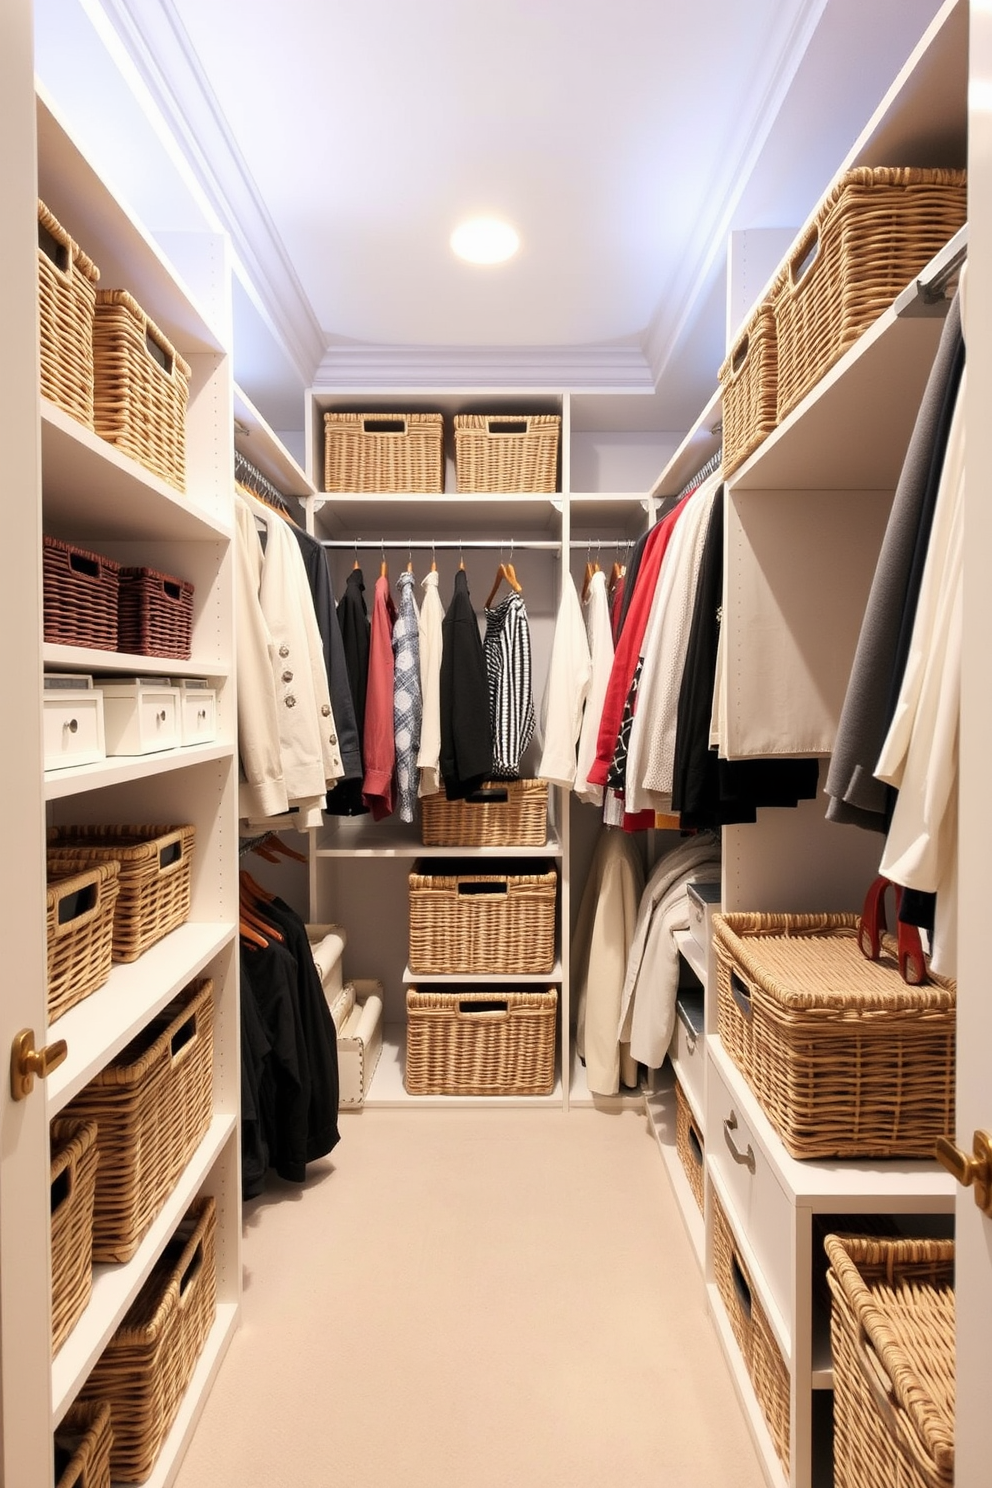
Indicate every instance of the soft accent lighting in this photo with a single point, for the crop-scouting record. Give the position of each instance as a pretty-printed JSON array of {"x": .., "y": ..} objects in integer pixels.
[{"x": 485, "y": 240}]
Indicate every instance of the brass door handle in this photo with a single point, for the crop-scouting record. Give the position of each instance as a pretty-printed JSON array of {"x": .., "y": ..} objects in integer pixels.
[
  {"x": 28, "y": 1063},
  {"x": 971, "y": 1172}
]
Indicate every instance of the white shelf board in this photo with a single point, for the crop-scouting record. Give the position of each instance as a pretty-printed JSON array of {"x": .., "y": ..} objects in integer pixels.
[
  {"x": 482, "y": 979},
  {"x": 83, "y": 659},
  {"x": 854, "y": 1186},
  {"x": 760, "y": 1435},
  {"x": 388, "y": 1089},
  {"x": 174, "y": 1447},
  {"x": 123, "y": 768},
  {"x": 124, "y": 252},
  {"x": 256, "y": 440},
  {"x": 395, "y": 518},
  {"x": 116, "y": 1286},
  {"x": 102, "y": 1024},
  {"x": 691, "y": 951},
  {"x": 93, "y": 492},
  {"x": 696, "y": 448},
  {"x": 579, "y": 1093},
  {"x": 612, "y": 518},
  {"x": 360, "y": 837},
  {"x": 660, "y": 1108}
]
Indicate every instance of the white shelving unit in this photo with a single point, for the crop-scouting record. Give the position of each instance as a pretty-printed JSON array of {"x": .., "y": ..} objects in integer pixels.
[
  {"x": 804, "y": 518},
  {"x": 73, "y": 485}
]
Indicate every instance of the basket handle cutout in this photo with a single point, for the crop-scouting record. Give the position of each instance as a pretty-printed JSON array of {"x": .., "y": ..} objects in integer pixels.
[
  {"x": 81, "y": 564},
  {"x": 507, "y": 426},
  {"x": 73, "y": 906},
  {"x": 170, "y": 854},
  {"x": 489, "y": 1006},
  {"x": 384, "y": 425},
  {"x": 741, "y": 1288},
  {"x": 62, "y": 1187},
  {"x": 171, "y": 590},
  {"x": 741, "y": 992},
  {"x": 491, "y": 886},
  {"x": 695, "y": 1145},
  {"x": 740, "y": 354},
  {"x": 183, "y": 1037},
  {"x": 493, "y": 794},
  {"x": 159, "y": 354},
  {"x": 191, "y": 1270},
  {"x": 53, "y": 249},
  {"x": 805, "y": 257}
]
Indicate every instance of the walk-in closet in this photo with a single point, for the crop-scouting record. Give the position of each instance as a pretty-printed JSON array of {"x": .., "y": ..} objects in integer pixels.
[{"x": 495, "y": 610}]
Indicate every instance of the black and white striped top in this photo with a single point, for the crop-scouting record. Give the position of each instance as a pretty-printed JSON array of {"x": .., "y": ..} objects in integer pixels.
[{"x": 508, "y": 668}]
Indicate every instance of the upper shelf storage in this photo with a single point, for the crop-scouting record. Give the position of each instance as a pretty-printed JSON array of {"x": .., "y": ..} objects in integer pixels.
[{"x": 256, "y": 441}]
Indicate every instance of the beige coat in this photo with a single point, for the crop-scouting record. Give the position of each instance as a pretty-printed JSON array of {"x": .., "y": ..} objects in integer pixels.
[{"x": 603, "y": 934}]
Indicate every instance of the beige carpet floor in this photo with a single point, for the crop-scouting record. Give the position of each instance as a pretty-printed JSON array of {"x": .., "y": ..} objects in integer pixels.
[{"x": 474, "y": 1299}]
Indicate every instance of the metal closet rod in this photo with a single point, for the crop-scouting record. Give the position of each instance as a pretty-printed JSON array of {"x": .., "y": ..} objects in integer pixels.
[{"x": 402, "y": 544}]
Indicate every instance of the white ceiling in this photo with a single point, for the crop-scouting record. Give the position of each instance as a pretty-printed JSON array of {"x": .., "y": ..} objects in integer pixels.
[{"x": 340, "y": 141}]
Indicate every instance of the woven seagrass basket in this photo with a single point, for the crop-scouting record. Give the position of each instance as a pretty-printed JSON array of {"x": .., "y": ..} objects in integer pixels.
[
  {"x": 866, "y": 241},
  {"x": 493, "y": 918},
  {"x": 80, "y": 930},
  {"x": 141, "y": 387},
  {"x": 892, "y": 1340},
  {"x": 154, "y": 614},
  {"x": 846, "y": 1059},
  {"x": 689, "y": 1145},
  {"x": 503, "y": 813},
  {"x": 154, "y": 876},
  {"x": 73, "y": 1168},
  {"x": 506, "y": 452},
  {"x": 152, "y": 1106},
  {"x": 470, "y": 1042},
  {"x": 80, "y": 596},
  {"x": 749, "y": 378},
  {"x": 146, "y": 1367},
  {"x": 753, "y": 1333},
  {"x": 82, "y": 1446},
  {"x": 67, "y": 282},
  {"x": 383, "y": 452}
]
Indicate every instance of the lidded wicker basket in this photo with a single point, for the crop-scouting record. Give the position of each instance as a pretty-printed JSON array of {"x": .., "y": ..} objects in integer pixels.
[
  {"x": 67, "y": 282},
  {"x": 141, "y": 387}
]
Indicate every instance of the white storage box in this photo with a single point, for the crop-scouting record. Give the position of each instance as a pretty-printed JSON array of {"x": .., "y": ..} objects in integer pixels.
[
  {"x": 704, "y": 901},
  {"x": 327, "y": 942},
  {"x": 73, "y": 720},
  {"x": 357, "y": 1014},
  {"x": 141, "y": 714},
  {"x": 197, "y": 710}
]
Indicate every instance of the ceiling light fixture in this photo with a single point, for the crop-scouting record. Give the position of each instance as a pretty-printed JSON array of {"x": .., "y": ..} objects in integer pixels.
[{"x": 485, "y": 240}]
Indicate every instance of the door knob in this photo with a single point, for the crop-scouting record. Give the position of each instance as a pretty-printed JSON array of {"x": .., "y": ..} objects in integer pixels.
[
  {"x": 971, "y": 1172},
  {"x": 27, "y": 1062}
]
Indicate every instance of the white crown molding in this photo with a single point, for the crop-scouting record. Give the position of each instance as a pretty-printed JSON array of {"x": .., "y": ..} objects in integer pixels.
[
  {"x": 602, "y": 368},
  {"x": 159, "y": 48},
  {"x": 673, "y": 317}
]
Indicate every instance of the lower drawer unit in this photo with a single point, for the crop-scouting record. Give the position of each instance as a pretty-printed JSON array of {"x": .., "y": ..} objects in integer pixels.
[
  {"x": 755, "y": 1339},
  {"x": 73, "y": 721},
  {"x": 689, "y": 1145},
  {"x": 471, "y": 1042}
]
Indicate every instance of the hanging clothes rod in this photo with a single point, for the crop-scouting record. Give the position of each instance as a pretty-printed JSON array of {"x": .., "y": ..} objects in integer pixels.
[{"x": 401, "y": 544}]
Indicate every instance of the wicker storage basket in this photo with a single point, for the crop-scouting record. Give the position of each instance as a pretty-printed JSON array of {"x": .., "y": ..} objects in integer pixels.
[
  {"x": 892, "y": 1339},
  {"x": 80, "y": 926},
  {"x": 380, "y": 452},
  {"x": 148, "y": 1363},
  {"x": 506, "y": 452},
  {"x": 495, "y": 1042},
  {"x": 750, "y": 385},
  {"x": 152, "y": 1106},
  {"x": 753, "y": 1333},
  {"x": 155, "y": 865},
  {"x": 80, "y": 596},
  {"x": 154, "y": 614},
  {"x": 82, "y": 1446},
  {"x": 67, "y": 282},
  {"x": 495, "y": 918},
  {"x": 141, "y": 387},
  {"x": 865, "y": 242},
  {"x": 504, "y": 813},
  {"x": 74, "y": 1159},
  {"x": 846, "y": 1059},
  {"x": 689, "y": 1145}
]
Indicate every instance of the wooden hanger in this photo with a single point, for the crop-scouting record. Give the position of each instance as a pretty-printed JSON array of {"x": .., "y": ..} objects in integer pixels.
[
  {"x": 273, "y": 847},
  {"x": 504, "y": 571},
  {"x": 249, "y": 934},
  {"x": 592, "y": 567}
]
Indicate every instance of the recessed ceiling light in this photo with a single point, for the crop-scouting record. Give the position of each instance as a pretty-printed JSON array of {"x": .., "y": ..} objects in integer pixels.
[{"x": 485, "y": 240}]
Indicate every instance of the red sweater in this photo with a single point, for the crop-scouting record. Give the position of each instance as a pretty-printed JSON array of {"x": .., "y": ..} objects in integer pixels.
[{"x": 379, "y": 741}]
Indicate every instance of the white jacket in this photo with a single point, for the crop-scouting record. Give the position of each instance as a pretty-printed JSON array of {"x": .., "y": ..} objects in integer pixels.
[
  {"x": 603, "y": 933},
  {"x": 599, "y": 636},
  {"x": 569, "y": 677},
  {"x": 431, "y": 616}
]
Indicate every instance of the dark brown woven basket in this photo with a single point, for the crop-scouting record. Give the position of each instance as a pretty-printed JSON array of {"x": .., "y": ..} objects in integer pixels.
[
  {"x": 155, "y": 866},
  {"x": 469, "y": 1042},
  {"x": 82, "y": 1446},
  {"x": 67, "y": 282},
  {"x": 146, "y": 1367},
  {"x": 152, "y": 1107},
  {"x": 141, "y": 387},
  {"x": 493, "y": 917},
  {"x": 892, "y": 1341},
  {"x": 154, "y": 614},
  {"x": 689, "y": 1145},
  {"x": 80, "y": 931},
  {"x": 74, "y": 1160},
  {"x": 382, "y": 452},
  {"x": 80, "y": 596}
]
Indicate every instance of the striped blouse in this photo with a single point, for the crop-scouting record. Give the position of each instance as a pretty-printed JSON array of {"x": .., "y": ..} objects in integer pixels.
[{"x": 508, "y": 667}]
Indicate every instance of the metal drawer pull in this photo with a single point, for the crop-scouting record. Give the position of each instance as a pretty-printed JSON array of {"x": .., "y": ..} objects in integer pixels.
[
  {"x": 690, "y": 1032},
  {"x": 746, "y": 1159}
]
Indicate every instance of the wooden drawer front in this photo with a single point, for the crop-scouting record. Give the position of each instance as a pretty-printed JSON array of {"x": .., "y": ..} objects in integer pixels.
[
  {"x": 73, "y": 730},
  {"x": 198, "y": 717},
  {"x": 761, "y": 1211},
  {"x": 143, "y": 724},
  {"x": 687, "y": 1054}
]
